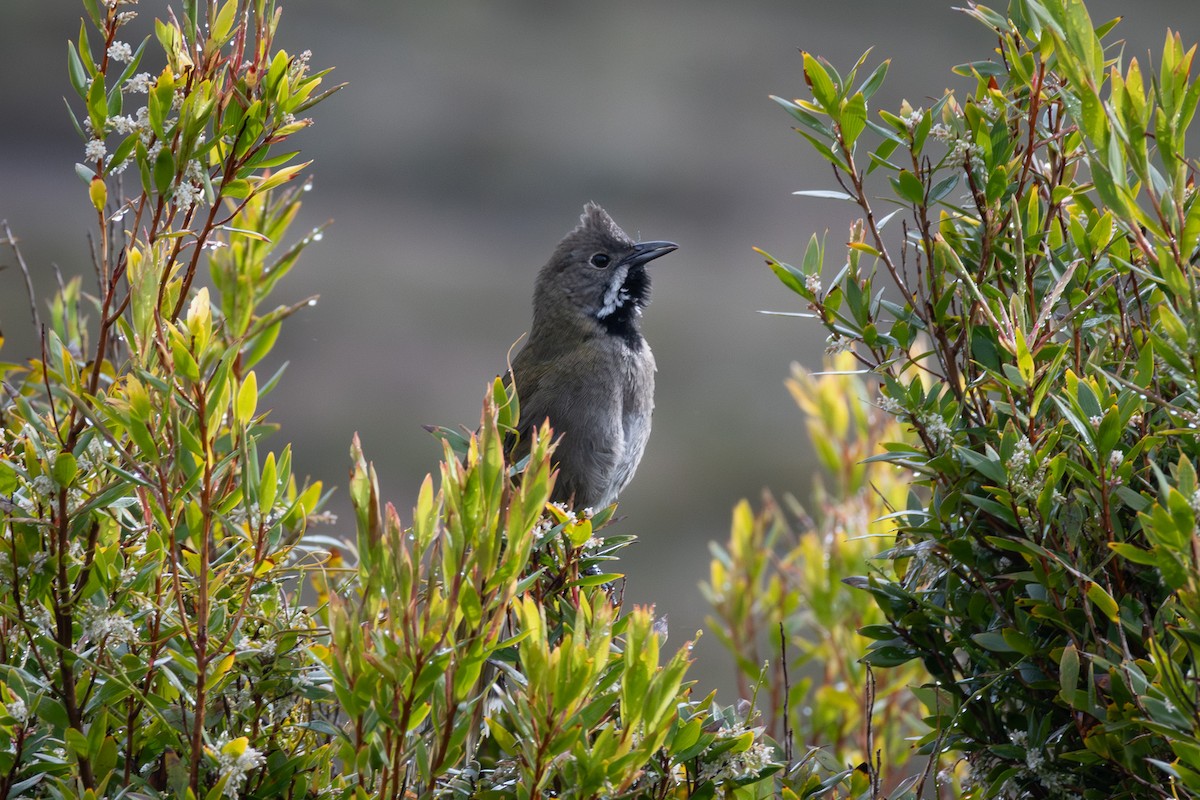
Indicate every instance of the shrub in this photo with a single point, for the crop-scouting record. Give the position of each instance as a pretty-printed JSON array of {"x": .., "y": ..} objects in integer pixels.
[
  {"x": 169, "y": 624},
  {"x": 779, "y": 583},
  {"x": 1037, "y": 262}
]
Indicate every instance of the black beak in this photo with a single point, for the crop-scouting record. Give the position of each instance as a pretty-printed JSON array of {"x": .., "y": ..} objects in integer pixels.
[{"x": 645, "y": 252}]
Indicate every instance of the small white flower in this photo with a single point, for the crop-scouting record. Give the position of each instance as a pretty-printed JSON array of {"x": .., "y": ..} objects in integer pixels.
[
  {"x": 114, "y": 629},
  {"x": 941, "y": 132},
  {"x": 890, "y": 405},
  {"x": 123, "y": 125},
  {"x": 964, "y": 150},
  {"x": 938, "y": 430},
  {"x": 125, "y": 17},
  {"x": 236, "y": 768},
  {"x": 187, "y": 194},
  {"x": 1115, "y": 459},
  {"x": 44, "y": 485},
  {"x": 813, "y": 283},
  {"x": 1021, "y": 456},
  {"x": 95, "y": 150},
  {"x": 1095, "y": 421},
  {"x": 140, "y": 83},
  {"x": 193, "y": 171},
  {"x": 17, "y": 709},
  {"x": 120, "y": 51},
  {"x": 835, "y": 344}
]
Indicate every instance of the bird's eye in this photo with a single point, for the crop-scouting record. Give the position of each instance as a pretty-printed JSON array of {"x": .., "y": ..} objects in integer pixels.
[{"x": 600, "y": 260}]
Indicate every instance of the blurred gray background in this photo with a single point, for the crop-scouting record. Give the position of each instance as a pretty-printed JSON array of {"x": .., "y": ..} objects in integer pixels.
[{"x": 465, "y": 145}]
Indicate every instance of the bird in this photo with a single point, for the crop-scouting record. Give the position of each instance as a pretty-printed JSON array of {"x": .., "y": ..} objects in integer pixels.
[{"x": 586, "y": 365}]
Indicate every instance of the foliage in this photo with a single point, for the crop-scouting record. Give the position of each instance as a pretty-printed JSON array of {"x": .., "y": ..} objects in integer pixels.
[
  {"x": 151, "y": 637},
  {"x": 169, "y": 625},
  {"x": 782, "y": 574},
  {"x": 490, "y": 583},
  {"x": 1042, "y": 239}
]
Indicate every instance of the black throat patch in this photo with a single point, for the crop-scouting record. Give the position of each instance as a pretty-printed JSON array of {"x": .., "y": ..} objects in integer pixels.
[{"x": 632, "y": 298}]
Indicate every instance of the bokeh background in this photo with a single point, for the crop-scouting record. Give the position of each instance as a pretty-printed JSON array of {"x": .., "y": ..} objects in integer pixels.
[{"x": 464, "y": 146}]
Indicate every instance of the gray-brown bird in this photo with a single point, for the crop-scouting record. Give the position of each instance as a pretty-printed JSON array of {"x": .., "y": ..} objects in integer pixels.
[{"x": 586, "y": 365}]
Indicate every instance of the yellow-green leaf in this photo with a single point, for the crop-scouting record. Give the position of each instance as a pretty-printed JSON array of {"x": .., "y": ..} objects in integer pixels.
[{"x": 247, "y": 399}]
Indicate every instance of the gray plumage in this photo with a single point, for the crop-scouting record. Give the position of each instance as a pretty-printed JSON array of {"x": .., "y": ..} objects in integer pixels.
[{"x": 586, "y": 365}]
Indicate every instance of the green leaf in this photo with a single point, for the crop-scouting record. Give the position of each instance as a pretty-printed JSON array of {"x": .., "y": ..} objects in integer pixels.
[
  {"x": 1104, "y": 601},
  {"x": 874, "y": 80},
  {"x": 76, "y": 72},
  {"x": 909, "y": 187},
  {"x": 853, "y": 119},
  {"x": 64, "y": 469},
  {"x": 247, "y": 398},
  {"x": 1024, "y": 357},
  {"x": 164, "y": 170},
  {"x": 1068, "y": 665},
  {"x": 97, "y": 104},
  {"x": 267, "y": 486},
  {"x": 821, "y": 83},
  {"x": 224, "y": 21},
  {"x": 994, "y": 641}
]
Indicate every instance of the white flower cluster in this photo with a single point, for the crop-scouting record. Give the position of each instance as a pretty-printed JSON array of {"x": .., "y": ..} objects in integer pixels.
[
  {"x": 913, "y": 118},
  {"x": 1038, "y": 770},
  {"x": 1026, "y": 481},
  {"x": 141, "y": 83},
  {"x": 17, "y": 709},
  {"x": 836, "y": 343},
  {"x": 813, "y": 283},
  {"x": 234, "y": 770},
  {"x": 189, "y": 189},
  {"x": 964, "y": 151},
  {"x": 937, "y": 429},
  {"x": 730, "y": 766},
  {"x": 110, "y": 628},
  {"x": 989, "y": 108},
  {"x": 120, "y": 51},
  {"x": 95, "y": 150},
  {"x": 890, "y": 405},
  {"x": 299, "y": 66}
]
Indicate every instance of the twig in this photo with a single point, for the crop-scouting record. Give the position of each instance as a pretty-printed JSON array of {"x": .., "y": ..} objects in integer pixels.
[
  {"x": 12, "y": 242},
  {"x": 874, "y": 759},
  {"x": 787, "y": 691}
]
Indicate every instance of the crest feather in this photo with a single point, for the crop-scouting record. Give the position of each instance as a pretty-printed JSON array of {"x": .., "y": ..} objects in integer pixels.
[{"x": 596, "y": 220}]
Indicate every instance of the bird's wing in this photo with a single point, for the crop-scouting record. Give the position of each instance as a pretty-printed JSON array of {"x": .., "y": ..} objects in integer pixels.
[{"x": 585, "y": 413}]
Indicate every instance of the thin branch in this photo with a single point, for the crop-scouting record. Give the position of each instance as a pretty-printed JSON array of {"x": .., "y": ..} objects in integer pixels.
[{"x": 11, "y": 241}]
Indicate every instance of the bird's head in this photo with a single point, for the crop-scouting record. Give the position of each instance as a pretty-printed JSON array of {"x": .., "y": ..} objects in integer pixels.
[{"x": 599, "y": 272}]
